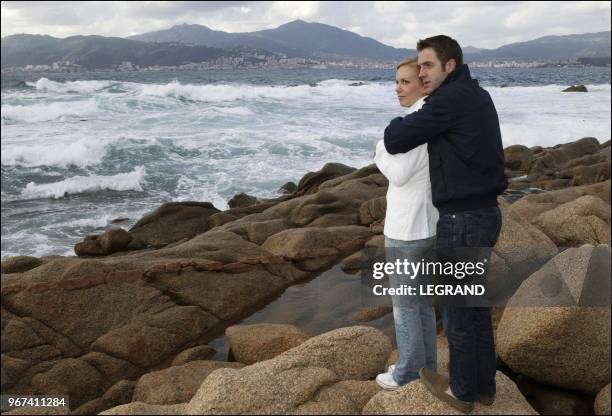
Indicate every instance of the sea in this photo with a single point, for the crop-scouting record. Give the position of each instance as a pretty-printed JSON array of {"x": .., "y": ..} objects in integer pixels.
[{"x": 80, "y": 150}]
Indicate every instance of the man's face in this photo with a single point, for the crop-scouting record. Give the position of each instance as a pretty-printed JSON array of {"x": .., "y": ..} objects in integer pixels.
[{"x": 432, "y": 72}]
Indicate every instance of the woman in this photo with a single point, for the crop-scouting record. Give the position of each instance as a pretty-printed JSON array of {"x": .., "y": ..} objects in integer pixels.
[{"x": 410, "y": 227}]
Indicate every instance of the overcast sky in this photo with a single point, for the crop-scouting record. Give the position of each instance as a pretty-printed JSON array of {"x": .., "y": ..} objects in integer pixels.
[{"x": 399, "y": 24}]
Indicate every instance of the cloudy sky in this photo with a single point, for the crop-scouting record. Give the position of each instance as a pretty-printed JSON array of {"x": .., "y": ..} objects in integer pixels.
[{"x": 400, "y": 24}]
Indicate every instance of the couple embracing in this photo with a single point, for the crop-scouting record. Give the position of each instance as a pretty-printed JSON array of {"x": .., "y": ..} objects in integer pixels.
[{"x": 445, "y": 165}]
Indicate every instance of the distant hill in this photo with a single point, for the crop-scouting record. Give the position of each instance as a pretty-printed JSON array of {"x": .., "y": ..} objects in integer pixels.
[
  {"x": 297, "y": 38},
  {"x": 550, "y": 48},
  {"x": 196, "y": 43},
  {"x": 94, "y": 52}
]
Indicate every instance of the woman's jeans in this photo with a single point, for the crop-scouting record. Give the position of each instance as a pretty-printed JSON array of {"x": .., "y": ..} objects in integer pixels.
[
  {"x": 469, "y": 330},
  {"x": 415, "y": 317}
]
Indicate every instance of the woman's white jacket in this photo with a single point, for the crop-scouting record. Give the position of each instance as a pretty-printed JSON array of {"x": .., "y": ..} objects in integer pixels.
[{"x": 410, "y": 213}]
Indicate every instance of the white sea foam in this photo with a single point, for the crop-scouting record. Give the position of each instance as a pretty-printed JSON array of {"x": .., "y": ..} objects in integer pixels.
[
  {"x": 130, "y": 181},
  {"x": 82, "y": 152},
  {"x": 224, "y": 92},
  {"x": 79, "y": 87},
  {"x": 39, "y": 112}
]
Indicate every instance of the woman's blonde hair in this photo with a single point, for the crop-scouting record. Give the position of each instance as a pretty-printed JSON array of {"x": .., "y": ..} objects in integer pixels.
[{"x": 412, "y": 62}]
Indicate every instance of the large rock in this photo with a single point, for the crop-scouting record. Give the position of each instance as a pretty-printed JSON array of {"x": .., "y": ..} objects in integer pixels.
[
  {"x": 373, "y": 210},
  {"x": 548, "y": 400},
  {"x": 201, "y": 352},
  {"x": 585, "y": 220},
  {"x": 552, "y": 160},
  {"x": 242, "y": 200},
  {"x": 172, "y": 222},
  {"x": 292, "y": 381},
  {"x": 71, "y": 377},
  {"x": 115, "y": 239},
  {"x": 19, "y": 264},
  {"x": 602, "y": 401},
  {"x": 415, "y": 399},
  {"x": 314, "y": 248},
  {"x": 518, "y": 157},
  {"x": 260, "y": 342},
  {"x": 310, "y": 182},
  {"x": 544, "y": 336},
  {"x": 139, "y": 408},
  {"x": 176, "y": 384},
  {"x": 576, "y": 88},
  {"x": 529, "y": 207},
  {"x": 120, "y": 393},
  {"x": 520, "y": 243}
]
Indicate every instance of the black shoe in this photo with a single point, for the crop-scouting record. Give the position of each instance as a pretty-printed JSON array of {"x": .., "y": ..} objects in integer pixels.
[
  {"x": 437, "y": 385},
  {"x": 486, "y": 400}
]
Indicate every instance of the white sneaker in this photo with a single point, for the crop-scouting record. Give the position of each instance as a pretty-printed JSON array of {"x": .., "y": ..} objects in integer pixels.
[
  {"x": 391, "y": 368},
  {"x": 386, "y": 381}
]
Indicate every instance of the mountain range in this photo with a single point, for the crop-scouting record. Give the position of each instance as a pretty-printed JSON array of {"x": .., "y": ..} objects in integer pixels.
[{"x": 196, "y": 43}]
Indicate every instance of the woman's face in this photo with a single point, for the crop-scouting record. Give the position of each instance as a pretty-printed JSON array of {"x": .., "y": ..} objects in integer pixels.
[{"x": 408, "y": 86}]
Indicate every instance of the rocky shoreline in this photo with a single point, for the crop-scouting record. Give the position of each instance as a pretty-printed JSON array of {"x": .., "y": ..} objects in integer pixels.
[{"x": 123, "y": 327}]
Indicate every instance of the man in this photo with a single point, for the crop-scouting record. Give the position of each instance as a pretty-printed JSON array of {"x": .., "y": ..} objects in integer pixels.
[{"x": 460, "y": 125}]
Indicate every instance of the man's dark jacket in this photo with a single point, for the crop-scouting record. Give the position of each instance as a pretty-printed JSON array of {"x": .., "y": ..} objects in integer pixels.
[{"x": 466, "y": 158}]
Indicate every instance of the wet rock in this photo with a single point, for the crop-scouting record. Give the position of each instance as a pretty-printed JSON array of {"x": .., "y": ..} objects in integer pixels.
[
  {"x": 585, "y": 220},
  {"x": 310, "y": 182},
  {"x": 173, "y": 221},
  {"x": 518, "y": 157},
  {"x": 260, "y": 342},
  {"x": 242, "y": 200},
  {"x": 19, "y": 264},
  {"x": 89, "y": 247},
  {"x": 288, "y": 188},
  {"x": 415, "y": 399},
  {"x": 119, "y": 220},
  {"x": 565, "y": 346},
  {"x": 176, "y": 384},
  {"x": 113, "y": 240},
  {"x": 576, "y": 88}
]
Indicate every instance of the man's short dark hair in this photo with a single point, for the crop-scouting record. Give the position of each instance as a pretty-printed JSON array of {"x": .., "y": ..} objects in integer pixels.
[{"x": 446, "y": 48}]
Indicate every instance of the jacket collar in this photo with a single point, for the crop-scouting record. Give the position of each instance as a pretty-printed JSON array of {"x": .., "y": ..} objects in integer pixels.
[{"x": 461, "y": 73}]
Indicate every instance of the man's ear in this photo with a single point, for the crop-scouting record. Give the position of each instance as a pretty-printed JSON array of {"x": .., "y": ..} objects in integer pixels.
[{"x": 450, "y": 66}]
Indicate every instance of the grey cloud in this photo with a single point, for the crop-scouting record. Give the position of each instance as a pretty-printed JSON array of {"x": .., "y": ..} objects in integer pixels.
[{"x": 400, "y": 24}]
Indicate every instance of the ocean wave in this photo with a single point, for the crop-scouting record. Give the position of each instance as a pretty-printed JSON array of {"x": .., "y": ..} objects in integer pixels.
[
  {"x": 82, "y": 152},
  {"x": 130, "y": 181},
  {"x": 36, "y": 113},
  {"x": 224, "y": 92},
  {"x": 79, "y": 87}
]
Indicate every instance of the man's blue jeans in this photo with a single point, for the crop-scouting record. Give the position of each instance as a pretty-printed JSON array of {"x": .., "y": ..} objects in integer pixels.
[
  {"x": 414, "y": 316},
  {"x": 469, "y": 330}
]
